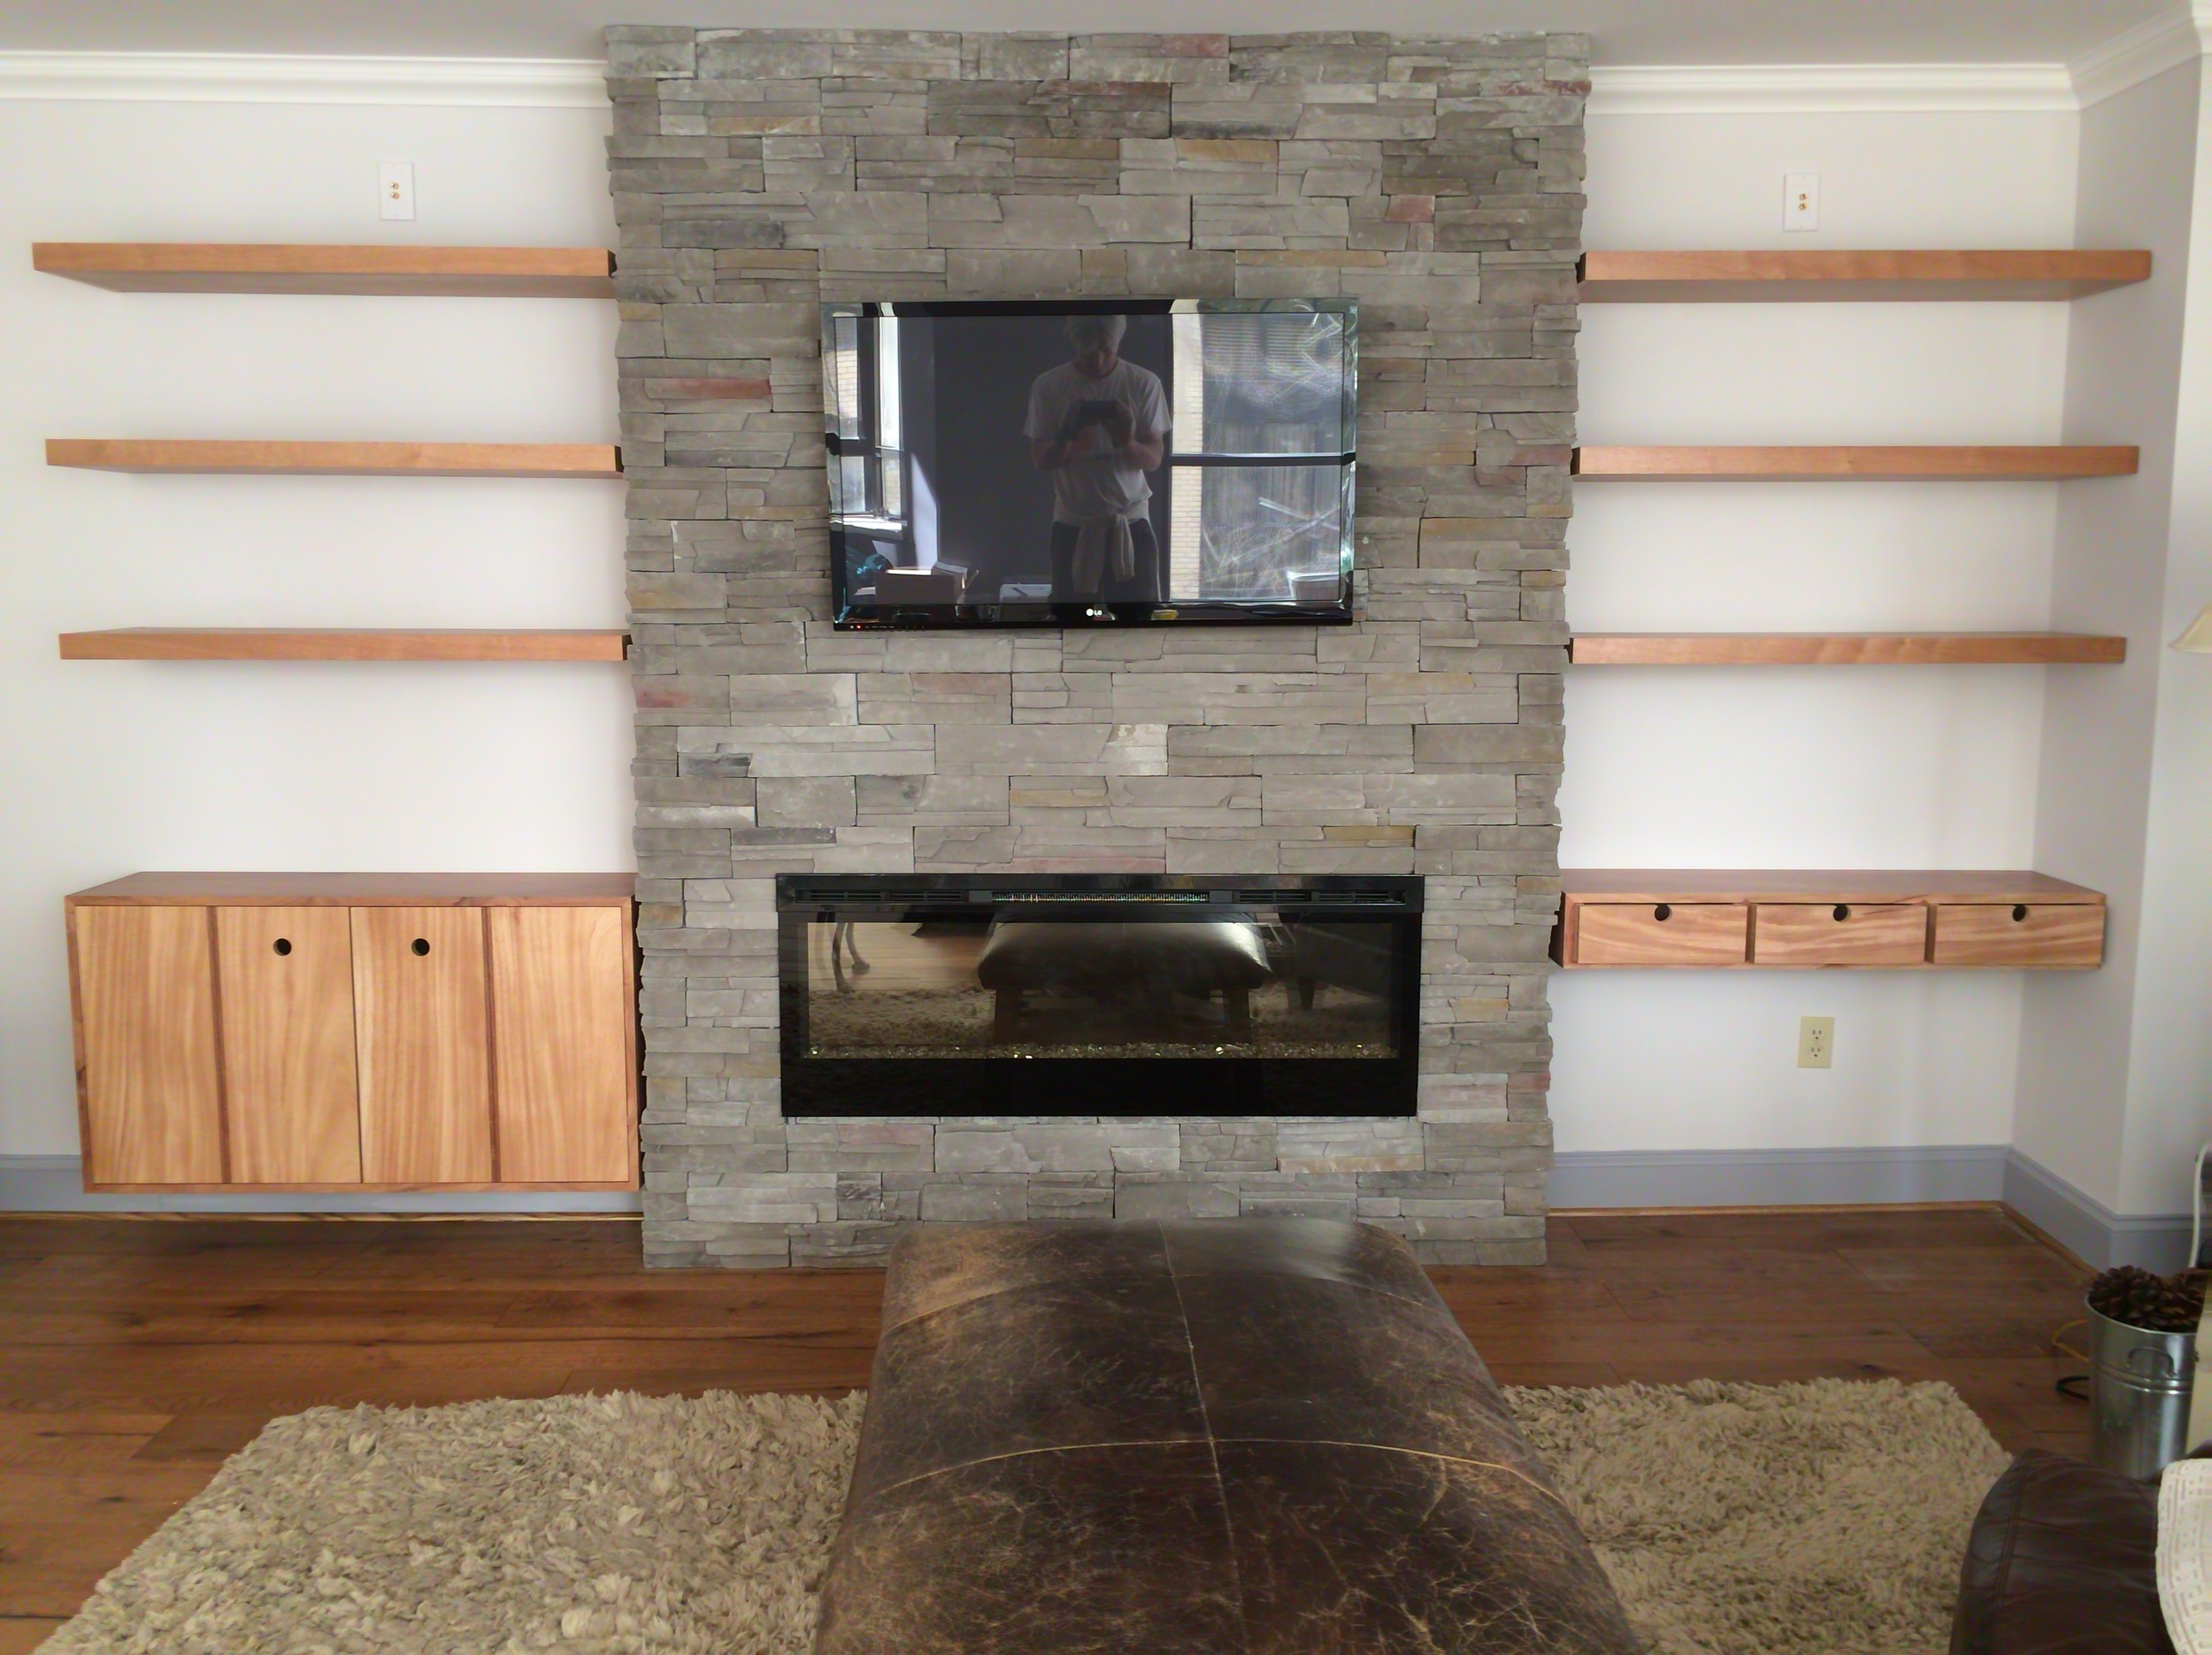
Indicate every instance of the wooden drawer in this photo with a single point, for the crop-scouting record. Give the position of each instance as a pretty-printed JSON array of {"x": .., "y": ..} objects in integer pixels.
[
  {"x": 1664, "y": 934},
  {"x": 1839, "y": 934},
  {"x": 2054, "y": 935}
]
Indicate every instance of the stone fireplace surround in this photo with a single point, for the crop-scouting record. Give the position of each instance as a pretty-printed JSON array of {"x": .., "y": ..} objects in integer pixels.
[{"x": 757, "y": 172}]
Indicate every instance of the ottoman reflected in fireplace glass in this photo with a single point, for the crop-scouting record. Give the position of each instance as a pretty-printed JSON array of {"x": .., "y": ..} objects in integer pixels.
[{"x": 935, "y": 995}]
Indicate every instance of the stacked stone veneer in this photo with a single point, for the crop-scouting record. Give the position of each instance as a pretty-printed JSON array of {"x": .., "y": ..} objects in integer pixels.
[{"x": 757, "y": 172}]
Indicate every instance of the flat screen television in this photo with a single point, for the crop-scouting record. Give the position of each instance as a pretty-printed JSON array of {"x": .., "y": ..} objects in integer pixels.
[{"x": 1080, "y": 463}]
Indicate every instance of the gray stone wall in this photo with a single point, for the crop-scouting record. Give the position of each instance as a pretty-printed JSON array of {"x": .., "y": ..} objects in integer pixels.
[{"x": 756, "y": 172}]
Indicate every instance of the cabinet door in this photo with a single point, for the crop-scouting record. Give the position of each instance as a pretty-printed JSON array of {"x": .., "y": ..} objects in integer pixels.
[
  {"x": 561, "y": 1018},
  {"x": 145, "y": 984},
  {"x": 419, "y": 1016},
  {"x": 287, "y": 981}
]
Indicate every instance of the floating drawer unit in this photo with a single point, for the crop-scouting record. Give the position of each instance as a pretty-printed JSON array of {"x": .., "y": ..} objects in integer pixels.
[
  {"x": 291, "y": 1031},
  {"x": 1681, "y": 918}
]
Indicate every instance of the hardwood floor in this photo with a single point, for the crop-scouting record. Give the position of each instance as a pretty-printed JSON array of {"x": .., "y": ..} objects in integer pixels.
[{"x": 136, "y": 1354}]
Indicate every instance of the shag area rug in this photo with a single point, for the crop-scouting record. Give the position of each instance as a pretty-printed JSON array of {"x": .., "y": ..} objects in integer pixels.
[{"x": 1735, "y": 1520}]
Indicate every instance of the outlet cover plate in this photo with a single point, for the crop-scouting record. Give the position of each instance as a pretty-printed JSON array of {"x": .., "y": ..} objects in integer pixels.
[
  {"x": 395, "y": 190},
  {"x": 1801, "y": 201},
  {"x": 1816, "y": 1042}
]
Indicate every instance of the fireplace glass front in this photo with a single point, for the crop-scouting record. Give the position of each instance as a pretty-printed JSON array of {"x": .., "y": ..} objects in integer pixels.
[{"x": 1087, "y": 995}]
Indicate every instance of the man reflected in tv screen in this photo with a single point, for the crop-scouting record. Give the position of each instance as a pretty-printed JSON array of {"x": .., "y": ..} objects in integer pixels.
[{"x": 1096, "y": 425}]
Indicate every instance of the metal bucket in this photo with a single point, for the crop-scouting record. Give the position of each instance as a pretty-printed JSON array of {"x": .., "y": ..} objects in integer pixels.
[{"x": 2138, "y": 1397}]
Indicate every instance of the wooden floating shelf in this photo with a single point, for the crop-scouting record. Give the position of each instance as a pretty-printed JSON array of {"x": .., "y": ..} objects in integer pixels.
[
  {"x": 1851, "y": 464},
  {"x": 1724, "y": 919},
  {"x": 530, "y": 273},
  {"x": 1844, "y": 649},
  {"x": 1692, "y": 277},
  {"x": 270, "y": 644},
  {"x": 339, "y": 460}
]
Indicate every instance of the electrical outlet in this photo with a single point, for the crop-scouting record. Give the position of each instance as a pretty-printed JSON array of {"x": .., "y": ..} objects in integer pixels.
[
  {"x": 1801, "y": 201},
  {"x": 1816, "y": 1042},
  {"x": 395, "y": 190}
]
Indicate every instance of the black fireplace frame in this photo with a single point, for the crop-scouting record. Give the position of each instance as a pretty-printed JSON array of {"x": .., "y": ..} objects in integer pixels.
[{"x": 1051, "y": 1087}]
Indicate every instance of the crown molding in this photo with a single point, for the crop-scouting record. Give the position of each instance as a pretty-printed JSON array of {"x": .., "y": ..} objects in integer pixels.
[
  {"x": 1830, "y": 88},
  {"x": 2148, "y": 50},
  {"x": 238, "y": 77},
  {"x": 2127, "y": 61}
]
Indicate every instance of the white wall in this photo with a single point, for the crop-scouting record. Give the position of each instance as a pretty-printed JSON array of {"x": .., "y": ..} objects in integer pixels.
[
  {"x": 2116, "y": 1089},
  {"x": 105, "y": 768},
  {"x": 1874, "y": 767},
  {"x": 109, "y": 768},
  {"x": 2170, "y": 1092}
]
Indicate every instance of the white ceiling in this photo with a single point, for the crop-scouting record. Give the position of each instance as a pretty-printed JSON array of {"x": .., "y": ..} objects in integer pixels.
[{"x": 1625, "y": 31}]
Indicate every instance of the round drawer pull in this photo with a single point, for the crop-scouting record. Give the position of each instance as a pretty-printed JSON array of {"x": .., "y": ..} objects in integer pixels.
[
  {"x": 420, "y": 946},
  {"x": 283, "y": 945},
  {"x": 1663, "y": 913},
  {"x": 1843, "y": 912},
  {"x": 2019, "y": 912}
]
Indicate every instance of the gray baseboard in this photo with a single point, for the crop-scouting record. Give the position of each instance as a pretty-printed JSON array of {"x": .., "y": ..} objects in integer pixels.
[
  {"x": 54, "y": 1183},
  {"x": 1875, "y": 1177},
  {"x": 2089, "y": 1229},
  {"x": 1589, "y": 1179},
  {"x": 1775, "y": 1178}
]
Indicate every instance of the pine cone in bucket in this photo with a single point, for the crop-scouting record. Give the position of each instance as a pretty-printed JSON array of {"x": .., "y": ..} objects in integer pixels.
[{"x": 2156, "y": 1303}]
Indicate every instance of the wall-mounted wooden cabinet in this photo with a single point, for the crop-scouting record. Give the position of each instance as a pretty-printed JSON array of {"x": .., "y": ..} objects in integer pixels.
[
  {"x": 356, "y": 1032},
  {"x": 1719, "y": 918}
]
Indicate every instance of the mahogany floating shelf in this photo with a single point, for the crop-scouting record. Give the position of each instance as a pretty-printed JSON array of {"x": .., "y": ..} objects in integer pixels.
[
  {"x": 273, "y": 643},
  {"x": 340, "y": 460},
  {"x": 1834, "y": 464},
  {"x": 1692, "y": 277},
  {"x": 1844, "y": 649},
  {"x": 530, "y": 273}
]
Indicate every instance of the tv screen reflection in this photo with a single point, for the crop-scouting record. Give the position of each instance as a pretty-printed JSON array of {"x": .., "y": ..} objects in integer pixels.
[{"x": 1046, "y": 464}]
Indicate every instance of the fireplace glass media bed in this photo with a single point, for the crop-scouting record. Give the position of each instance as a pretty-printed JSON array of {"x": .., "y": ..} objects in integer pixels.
[{"x": 1091, "y": 995}]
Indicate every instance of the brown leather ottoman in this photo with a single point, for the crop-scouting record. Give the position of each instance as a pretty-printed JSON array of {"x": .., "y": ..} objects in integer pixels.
[{"x": 1248, "y": 1436}]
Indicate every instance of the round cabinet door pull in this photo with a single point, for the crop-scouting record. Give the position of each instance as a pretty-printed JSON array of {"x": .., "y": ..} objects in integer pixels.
[
  {"x": 1663, "y": 913},
  {"x": 2019, "y": 912},
  {"x": 1843, "y": 912},
  {"x": 283, "y": 945},
  {"x": 420, "y": 945}
]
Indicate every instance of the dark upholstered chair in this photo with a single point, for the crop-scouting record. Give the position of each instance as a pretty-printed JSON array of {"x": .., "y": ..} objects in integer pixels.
[{"x": 2061, "y": 1562}]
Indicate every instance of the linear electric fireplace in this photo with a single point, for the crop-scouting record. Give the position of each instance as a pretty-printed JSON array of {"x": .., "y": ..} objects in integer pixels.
[{"x": 1098, "y": 995}]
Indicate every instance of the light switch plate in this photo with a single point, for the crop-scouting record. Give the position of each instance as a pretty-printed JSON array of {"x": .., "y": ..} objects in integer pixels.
[
  {"x": 395, "y": 190},
  {"x": 1801, "y": 201}
]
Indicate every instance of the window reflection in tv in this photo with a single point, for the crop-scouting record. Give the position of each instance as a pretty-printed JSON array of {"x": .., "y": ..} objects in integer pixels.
[
  {"x": 1250, "y": 986},
  {"x": 1095, "y": 462}
]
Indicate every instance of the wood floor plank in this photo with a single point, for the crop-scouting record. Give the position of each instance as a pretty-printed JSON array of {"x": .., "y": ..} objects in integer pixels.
[
  {"x": 66, "y": 1528},
  {"x": 21, "y": 1634},
  {"x": 200, "y": 1439},
  {"x": 33, "y": 1442},
  {"x": 1813, "y": 1231},
  {"x": 1897, "y": 1266}
]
